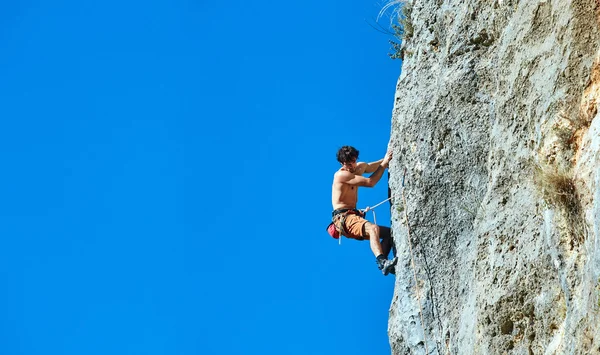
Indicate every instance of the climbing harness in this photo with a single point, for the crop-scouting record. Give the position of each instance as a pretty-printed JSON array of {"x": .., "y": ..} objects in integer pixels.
[
  {"x": 336, "y": 228},
  {"x": 337, "y": 231}
]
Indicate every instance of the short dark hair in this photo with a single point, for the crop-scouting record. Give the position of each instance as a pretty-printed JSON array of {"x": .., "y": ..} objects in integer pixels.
[{"x": 346, "y": 154}]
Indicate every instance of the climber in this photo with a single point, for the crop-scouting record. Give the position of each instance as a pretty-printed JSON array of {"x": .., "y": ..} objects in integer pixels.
[{"x": 348, "y": 220}]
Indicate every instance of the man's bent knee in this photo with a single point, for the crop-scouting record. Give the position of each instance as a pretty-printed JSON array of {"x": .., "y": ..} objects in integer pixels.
[{"x": 371, "y": 229}]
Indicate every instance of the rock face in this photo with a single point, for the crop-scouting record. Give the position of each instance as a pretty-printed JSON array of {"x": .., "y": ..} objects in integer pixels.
[{"x": 497, "y": 130}]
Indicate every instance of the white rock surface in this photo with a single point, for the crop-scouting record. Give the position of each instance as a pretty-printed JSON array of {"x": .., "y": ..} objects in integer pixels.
[{"x": 489, "y": 90}]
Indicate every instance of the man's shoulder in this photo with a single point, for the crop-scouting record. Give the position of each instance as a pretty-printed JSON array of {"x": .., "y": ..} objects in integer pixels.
[
  {"x": 343, "y": 173},
  {"x": 360, "y": 168},
  {"x": 361, "y": 165},
  {"x": 342, "y": 176}
]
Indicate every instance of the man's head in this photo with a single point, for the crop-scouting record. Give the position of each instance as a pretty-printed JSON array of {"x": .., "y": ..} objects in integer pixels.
[{"x": 347, "y": 156}]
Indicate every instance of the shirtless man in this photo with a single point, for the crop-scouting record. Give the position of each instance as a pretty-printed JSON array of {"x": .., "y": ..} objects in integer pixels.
[{"x": 349, "y": 221}]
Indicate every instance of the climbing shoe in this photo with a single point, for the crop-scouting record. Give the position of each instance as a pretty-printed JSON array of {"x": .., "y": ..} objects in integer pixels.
[{"x": 387, "y": 266}]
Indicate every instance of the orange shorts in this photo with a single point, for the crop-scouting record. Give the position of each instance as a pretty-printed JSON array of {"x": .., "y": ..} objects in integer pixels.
[{"x": 354, "y": 226}]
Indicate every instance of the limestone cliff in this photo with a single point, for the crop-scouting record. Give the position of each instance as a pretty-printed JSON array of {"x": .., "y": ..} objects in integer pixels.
[{"x": 496, "y": 124}]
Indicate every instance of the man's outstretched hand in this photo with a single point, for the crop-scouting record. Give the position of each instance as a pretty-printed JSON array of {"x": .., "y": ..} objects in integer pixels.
[{"x": 386, "y": 160}]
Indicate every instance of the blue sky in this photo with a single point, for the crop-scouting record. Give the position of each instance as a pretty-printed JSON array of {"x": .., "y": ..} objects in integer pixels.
[{"x": 167, "y": 174}]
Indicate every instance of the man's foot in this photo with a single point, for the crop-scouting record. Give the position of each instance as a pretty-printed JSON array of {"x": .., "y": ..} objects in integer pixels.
[{"x": 387, "y": 266}]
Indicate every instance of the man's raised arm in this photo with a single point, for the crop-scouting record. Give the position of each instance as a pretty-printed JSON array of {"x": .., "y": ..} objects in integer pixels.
[
  {"x": 371, "y": 167},
  {"x": 357, "y": 180}
]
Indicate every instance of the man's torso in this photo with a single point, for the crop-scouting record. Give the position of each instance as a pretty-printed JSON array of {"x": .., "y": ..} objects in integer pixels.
[{"x": 343, "y": 195}]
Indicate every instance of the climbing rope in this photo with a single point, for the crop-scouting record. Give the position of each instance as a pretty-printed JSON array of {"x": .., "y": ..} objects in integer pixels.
[
  {"x": 412, "y": 257},
  {"x": 412, "y": 261},
  {"x": 373, "y": 208}
]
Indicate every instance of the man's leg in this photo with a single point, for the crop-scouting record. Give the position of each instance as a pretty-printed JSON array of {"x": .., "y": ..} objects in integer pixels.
[
  {"x": 374, "y": 232},
  {"x": 385, "y": 233}
]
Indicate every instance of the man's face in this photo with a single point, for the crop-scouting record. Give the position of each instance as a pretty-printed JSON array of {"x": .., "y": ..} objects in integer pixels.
[{"x": 350, "y": 166}]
